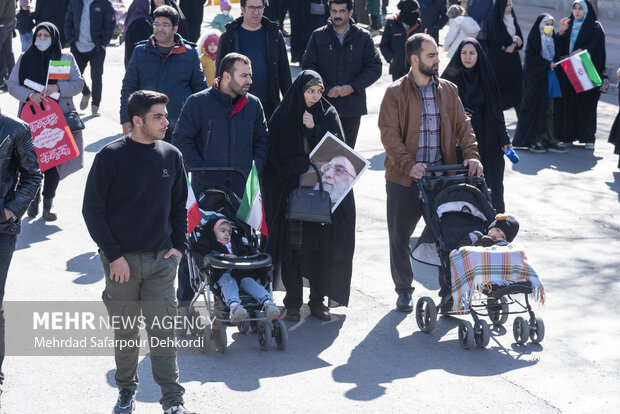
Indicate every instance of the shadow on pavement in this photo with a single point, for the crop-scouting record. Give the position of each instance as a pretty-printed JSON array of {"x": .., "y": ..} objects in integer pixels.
[
  {"x": 377, "y": 162},
  {"x": 244, "y": 364},
  {"x": 615, "y": 184},
  {"x": 96, "y": 146},
  {"x": 576, "y": 160},
  {"x": 88, "y": 267},
  {"x": 383, "y": 357},
  {"x": 34, "y": 231}
]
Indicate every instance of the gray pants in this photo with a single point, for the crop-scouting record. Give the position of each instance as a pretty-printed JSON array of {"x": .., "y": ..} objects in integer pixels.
[{"x": 150, "y": 291}]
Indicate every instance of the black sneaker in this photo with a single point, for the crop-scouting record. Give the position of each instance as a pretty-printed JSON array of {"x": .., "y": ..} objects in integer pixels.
[
  {"x": 178, "y": 408},
  {"x": 538, "y": 148},
  {"x": 556, "y": 148},
  {"x": 126, "y": 402}
]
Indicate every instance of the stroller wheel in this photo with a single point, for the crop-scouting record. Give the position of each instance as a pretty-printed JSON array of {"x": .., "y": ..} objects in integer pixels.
[
  {"x": 498, "y": 312},
  {"x": 466, "y": 334},
  {"x": 537, "y": 330},
  {"x": 482, "y": 333},
  {"x": 219, "y": 335},
  {"x": 253, "y": 326},
  {"x": 206, "y": 339},
  {"x": 520, "y": 330},
  {"x": 426, "y": 314},
  {"x": 244, "y": 327},
  {"x": 264, "y": 335},
  {"x": 281, "y": 334}
]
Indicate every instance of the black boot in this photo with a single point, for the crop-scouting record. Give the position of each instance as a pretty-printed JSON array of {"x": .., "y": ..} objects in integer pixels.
[
  {"x": 33, "y": 208},
  {"x": 375, "y": 23},
  {"x": 48, "y": 215}
]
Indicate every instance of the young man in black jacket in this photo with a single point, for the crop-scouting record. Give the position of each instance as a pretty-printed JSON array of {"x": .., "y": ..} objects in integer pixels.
[
  {"x": 398, "y": 29},
  {"x": 20, "y": 181},
  {"x": 260, "y": 39},
  {"x": 89, "y": 45},
  {"x": 347, "y": 60},
  {"x": 134, "y": 209}
]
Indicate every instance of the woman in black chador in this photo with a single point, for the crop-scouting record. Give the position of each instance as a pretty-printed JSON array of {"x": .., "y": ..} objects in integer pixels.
[
  {"x": 504, "y": 40},
  {"x": 614, "y": 134},
  {"x": 138, "y": 26},
  {"x": 471, "y": 71},
  {"x": 535, "y": 128},
  {"x": 576, "y": 112},
  {"x": 321, "y": 253}
]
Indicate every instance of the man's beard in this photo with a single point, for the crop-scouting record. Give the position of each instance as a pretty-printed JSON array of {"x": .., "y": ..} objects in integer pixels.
[
  {"x": 428, "y": 70},
  {"x": 237, "y": 88}
]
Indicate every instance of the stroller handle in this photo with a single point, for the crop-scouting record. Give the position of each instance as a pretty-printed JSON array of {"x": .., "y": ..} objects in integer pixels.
[
  {"x": 446, "y": 168},
  {"x": 217, "y": 169}
]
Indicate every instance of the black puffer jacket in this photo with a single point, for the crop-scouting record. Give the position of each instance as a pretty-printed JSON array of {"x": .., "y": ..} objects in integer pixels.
[
  {"x": 102, "y": 22},
  {"x": 20, "y": 176},
  {"x": 277, "y": 59},
  {"x": 356, "y": 62}
]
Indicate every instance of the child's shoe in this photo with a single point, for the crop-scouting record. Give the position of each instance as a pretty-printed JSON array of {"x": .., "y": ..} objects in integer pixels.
[
  {"x": 271, "y": 310},
  {"x": 237, "y": 313}
]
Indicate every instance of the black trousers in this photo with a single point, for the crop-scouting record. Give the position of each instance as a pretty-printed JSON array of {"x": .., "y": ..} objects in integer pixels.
[
  {"x": 293, "y": 282},
  {"x": 50, "y": 182},
  {"x": 96, "y": 57},
  {"x": 350, "y": 127},
  {"x": 7, "y": 60},
  {"x": 7, "y": 247},
  {"x": 404, "y": 210}
]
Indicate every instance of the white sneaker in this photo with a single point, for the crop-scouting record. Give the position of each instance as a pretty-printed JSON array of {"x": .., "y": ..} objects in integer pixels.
[
  {"x": 237, "y": 313},
  {"x": 271, "y": 310}
]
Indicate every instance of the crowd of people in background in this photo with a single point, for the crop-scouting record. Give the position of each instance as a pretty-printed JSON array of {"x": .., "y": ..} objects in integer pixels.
[{"x": 233, "y": 82}]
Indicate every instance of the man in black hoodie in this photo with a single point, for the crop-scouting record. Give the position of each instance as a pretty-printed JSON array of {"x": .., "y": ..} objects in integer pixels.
[
  {"x": 260, "y": 39},
  {"x": 398, "y": 29}
]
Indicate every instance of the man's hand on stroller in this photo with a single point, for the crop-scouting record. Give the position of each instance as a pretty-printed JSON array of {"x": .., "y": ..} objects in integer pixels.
[
  {"x": 119, "y": 270},
  {"x": 475, "y": 166},
  {"x": 417, "y": 171}
]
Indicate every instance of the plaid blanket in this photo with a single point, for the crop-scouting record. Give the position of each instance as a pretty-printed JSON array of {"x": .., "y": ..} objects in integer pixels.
[{"x": 475, "y": 268}]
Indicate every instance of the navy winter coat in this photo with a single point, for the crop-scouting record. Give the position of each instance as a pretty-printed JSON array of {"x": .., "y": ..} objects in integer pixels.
[
  {"x": 212, "y": 132},
  {"x": 102, "y": 22},
  {"x": 178, "y": 75}
]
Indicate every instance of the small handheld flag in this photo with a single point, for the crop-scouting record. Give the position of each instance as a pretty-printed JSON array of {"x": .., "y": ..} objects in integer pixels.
[
  {"x": 251, "y": 210},
  {"x": 581, "y": 72},
  {"x": 59, "y": 69}
]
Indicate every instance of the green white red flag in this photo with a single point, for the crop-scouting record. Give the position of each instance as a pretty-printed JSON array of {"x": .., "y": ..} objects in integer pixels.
[
  {"x": 59, "y": 69},
  {"x": 251, "y": 210},
  {"x": 581, "y": 72},
  {"x": 193, "y": 211}
]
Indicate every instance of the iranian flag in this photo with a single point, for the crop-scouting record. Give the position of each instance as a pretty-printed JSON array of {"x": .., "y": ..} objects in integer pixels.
[
  {"x": 581, "y": 72},
  {"x": 251, "y": 210},
  {"x": 59, "y": 69},
  {"x": 193, "y": 211}
]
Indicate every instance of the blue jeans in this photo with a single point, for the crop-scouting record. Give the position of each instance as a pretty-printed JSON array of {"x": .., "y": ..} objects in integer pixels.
[
  {"x": 26, "y": 39},
  {"x": 7, "y": 247},
  {"x": 230, "y": 290}
]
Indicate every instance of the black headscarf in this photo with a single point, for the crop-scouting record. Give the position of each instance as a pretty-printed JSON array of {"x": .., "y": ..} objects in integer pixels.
[
  {"x": 476, "y": 85},
  {"x": 496, "y": 27},
  {"x": 289, "y": 113},
  {"x": 34, "y": 63}
]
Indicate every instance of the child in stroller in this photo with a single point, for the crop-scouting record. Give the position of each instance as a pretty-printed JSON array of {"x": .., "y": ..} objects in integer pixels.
[
  {"x": 503, "y": 230},
  {"x": 218, "y": 238}
]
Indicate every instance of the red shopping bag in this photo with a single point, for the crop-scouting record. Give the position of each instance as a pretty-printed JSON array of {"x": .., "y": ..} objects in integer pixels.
[{"x": 51, "y": 135}]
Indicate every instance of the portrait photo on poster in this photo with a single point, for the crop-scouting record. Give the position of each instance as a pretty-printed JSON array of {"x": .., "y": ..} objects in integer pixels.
[{"x": 339, "y": 165}]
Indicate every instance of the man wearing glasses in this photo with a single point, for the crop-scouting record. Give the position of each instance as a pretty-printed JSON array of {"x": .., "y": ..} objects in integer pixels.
[
  {"x": 164, "y": 63},
  {"x": 338, "y": 176},
  {"x": 258, "y": 38}
]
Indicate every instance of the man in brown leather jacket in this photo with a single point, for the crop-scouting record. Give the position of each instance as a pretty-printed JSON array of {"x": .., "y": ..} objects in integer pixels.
[{"x": 421, "y": 119}]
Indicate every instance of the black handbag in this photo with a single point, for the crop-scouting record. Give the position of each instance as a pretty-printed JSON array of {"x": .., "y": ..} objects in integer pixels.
[
  {"x": 308, "y": 204},
  {"x": 74, "y": 121}
]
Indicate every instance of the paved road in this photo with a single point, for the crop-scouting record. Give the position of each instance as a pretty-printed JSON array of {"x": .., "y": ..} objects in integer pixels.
[{"x": 369, "y": 358}]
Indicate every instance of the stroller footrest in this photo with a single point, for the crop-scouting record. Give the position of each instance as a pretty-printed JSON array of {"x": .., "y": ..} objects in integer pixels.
[{"x": 496, "y": 291}]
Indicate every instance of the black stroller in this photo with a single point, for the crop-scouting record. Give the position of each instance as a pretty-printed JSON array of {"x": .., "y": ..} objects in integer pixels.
[
  {"x": 216, "y": 202},
  {"x": 454, "y": 206}
]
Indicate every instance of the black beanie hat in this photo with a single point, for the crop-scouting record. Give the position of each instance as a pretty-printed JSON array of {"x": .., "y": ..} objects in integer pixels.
[
  {"x": 408, "y": 5},
  {"x": 508, "y": 224}
]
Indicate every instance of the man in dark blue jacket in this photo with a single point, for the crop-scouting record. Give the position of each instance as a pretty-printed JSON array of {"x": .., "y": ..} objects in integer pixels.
[
  {"x": 221, "y": 129},
  {"x": 345, "y": 56},
  {"x": 164, "y": 63},
  {"x": 89, "y": 26}
]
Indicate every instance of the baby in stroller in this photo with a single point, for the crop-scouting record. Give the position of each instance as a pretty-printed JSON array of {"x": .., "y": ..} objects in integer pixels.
[
  {"x": 503, "y": 229},
  {"x": 218, "y": 237}
]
